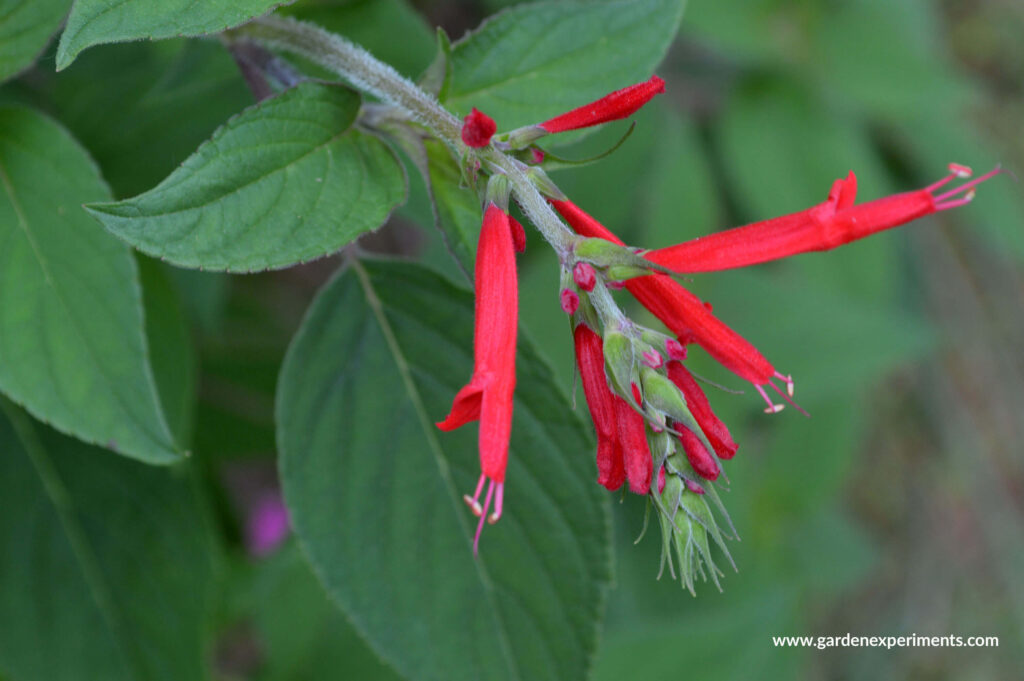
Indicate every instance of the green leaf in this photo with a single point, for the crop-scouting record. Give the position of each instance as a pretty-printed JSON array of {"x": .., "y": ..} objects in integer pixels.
[
  {"x": 72, "y": 344},
  {"x": 25, "y": 28},
  {"x": 173, "y": 357},
  {"x": 530, "y": 63},
  {"x": 374, "y": 490},
  {"x": 288, "y": 180},
  {"x": 93, "y": 22},
  {"x": 457, "y": 209},
  {"x": 107, "y": 568}
]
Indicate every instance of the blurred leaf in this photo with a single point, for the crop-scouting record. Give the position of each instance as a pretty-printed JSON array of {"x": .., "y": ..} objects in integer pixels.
[
  {"x": 25, "y": 29},
  {"x": 142, "y": 108},
  {"x": 829, "y": 552},
  {"x": 380, "y": 355},
  {"x": 171, "y": 353},
  {"x": 681, "y": 201},
  {"x": 93, "y": 22},
  {"x": 830, "y": 342},
  {"x": 305, "y": 635},
  {"x": 106, "y": 566},
  {"x": 530, "y": 63},
  {"x": 457, "y": 208},
  {"x": 286, "y": 181},
  {"x": 390, "y": 29},
  {"x": 722, "y": 643},
  {"x": 72, "y": 344},
  {"x": 858, "y": 45},
  {"x": 753, "y": 30}
]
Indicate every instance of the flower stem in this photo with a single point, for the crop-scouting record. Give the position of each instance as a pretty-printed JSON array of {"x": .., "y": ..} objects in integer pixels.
[{"x": 367, "y": 73}]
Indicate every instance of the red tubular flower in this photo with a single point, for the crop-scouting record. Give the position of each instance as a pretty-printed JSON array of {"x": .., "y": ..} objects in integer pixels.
[
  {"x": 636, "y": 453},
  {"x": 611, "y": 472},
  {"x": 619, "y": 104},
  {"x": 833, "y": 223},
  {"x": 698, "y": 455},
  {"x": 478, "y": 128},
  {"x": 488, "y": 395},
  {"x": 683, "y": 313},
  {"x": 697, "y": 402}
]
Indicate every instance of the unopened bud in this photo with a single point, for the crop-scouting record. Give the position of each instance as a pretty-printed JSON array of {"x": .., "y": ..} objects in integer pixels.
[
  {"x": 675, "y": 350},
  {"x": 694, "y": 487},
  {"x": 653, "y": 358},
  {"x": 569, "y": 300},
  {"x": 584, "y": 276},
  {"x": 477, "y": 129}
]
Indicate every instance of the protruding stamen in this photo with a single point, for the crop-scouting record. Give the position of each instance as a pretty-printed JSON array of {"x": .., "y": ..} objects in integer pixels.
[
  {"x": 772, "y": 407},
  {"x": 498, "y": 497},
  {"x": 483, "y": 516},
  {"x": 960, "y": 170},
  {"x": 789, "y": 399},
  {"x": 967, "y": 198},
  {"x": 788, "y": 380},
  {"x": 965, "y": 187},
  {"x": 474, "y": 501}
]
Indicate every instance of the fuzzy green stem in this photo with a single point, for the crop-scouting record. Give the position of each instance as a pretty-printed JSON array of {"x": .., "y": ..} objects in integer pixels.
[{"x": 368, "y": 73}]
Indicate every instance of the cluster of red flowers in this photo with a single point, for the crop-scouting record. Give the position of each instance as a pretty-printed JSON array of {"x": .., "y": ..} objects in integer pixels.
[{"x": 654, "y": 423}]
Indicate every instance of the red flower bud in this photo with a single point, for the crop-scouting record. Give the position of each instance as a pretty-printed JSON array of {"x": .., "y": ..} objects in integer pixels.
[
  {"x": 584, "y": 276},
  {"x": 698, "y": 455},
  {"x": 697, "y": 402},
  {"x": 694, "y": 487},
  {"x": 619, "y": 104},
  {"x": 569, "y": 300},
  {"x": 518, "y": 235},
  {"x": 611, "y": 472},
  {"x": 636, "y": 453},
  {"x": 478, "y": 128},
  {"x": 675, "y": 350},
  {"x": 653, "y": 359}
]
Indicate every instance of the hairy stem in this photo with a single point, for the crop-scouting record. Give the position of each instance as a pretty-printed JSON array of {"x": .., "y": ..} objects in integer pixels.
[{"x": 366, "y": 72}]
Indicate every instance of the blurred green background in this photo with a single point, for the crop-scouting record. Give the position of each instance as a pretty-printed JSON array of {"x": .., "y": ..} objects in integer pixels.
[{"x": 897, "y": 508}]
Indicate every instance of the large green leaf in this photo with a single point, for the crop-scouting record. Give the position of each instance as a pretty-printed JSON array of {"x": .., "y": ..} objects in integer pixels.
[
  {"x": 93, "y": 22},
  {"x": 72, "y": 346},
  {"x": 530, "y": 63},
  {"x": 374, "y": 490},
  {"x": 25, "y": 28},
  {"x": 106, "y": 565},
  {"x": 288, "y": 180}
]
